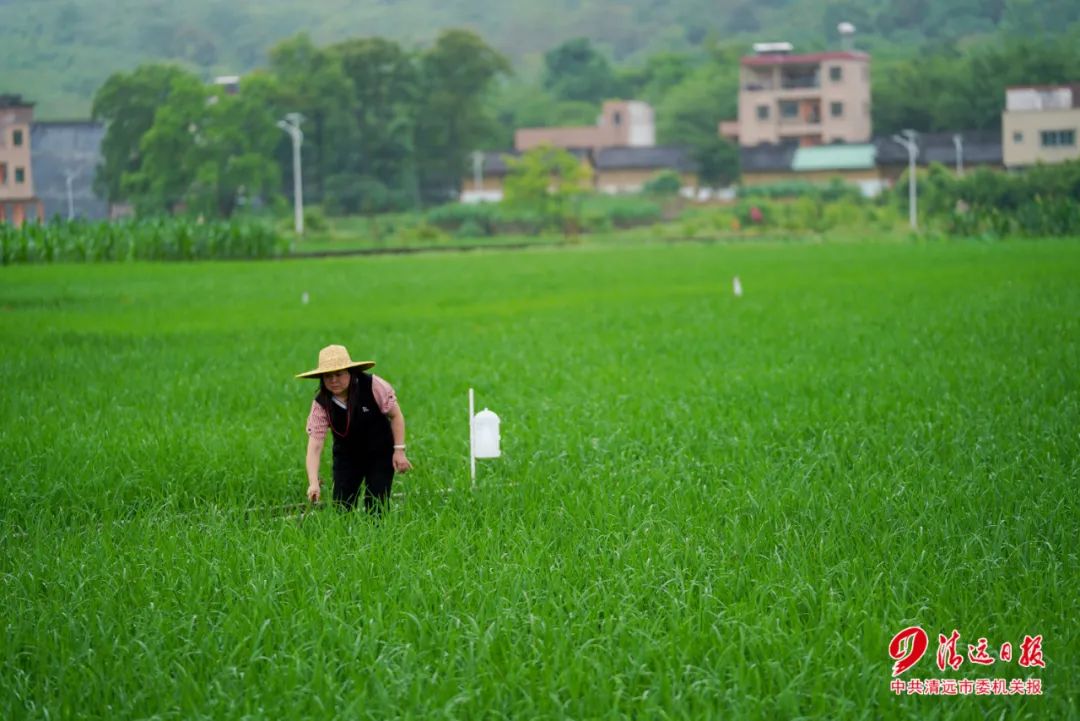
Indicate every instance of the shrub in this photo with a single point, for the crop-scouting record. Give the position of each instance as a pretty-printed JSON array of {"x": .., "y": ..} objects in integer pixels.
[
  {"x": 470, "y": 229},
  {"x": 1040, "y": 201},
  {"x": 835, "y": 189},
  {"x": 623, "y": 211},
  {"x": 315, "y": 218},
  {"x": 844, "y": 213},
  {"x": 480, "y": 217},
  {"x": 666, "y": 183},
  {"x": 593, "y": 213}
]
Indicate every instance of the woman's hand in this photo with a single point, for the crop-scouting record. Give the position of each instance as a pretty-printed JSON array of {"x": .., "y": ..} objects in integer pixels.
[
  {"x": 401, "y": 463},
  {"x": 313, "y": 492}
]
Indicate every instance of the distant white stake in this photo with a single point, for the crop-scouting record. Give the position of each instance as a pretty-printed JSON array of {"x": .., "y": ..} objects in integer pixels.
[{"x": 736, "y": 287}]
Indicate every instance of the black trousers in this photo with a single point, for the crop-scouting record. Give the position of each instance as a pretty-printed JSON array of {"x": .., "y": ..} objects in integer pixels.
[{"x": 375, "y": 476}]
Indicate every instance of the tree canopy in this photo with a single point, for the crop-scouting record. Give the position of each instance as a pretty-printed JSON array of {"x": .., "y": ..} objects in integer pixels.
[
  {"x": 951, "y": 89},
  {"x": 384, "y": 127},
  {"x": 61, "y": 52},
  {"x": 389, "y": 127},
  {"x": 575, "y": 70}
]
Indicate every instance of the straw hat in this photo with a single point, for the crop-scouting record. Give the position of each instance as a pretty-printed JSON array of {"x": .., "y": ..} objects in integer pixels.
[{"x": 335, "y": 358}]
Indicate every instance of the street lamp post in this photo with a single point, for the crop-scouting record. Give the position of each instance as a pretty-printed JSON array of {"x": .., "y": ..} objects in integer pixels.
[
  {"x": 69, "y": 178},
  {"x": 478, "y": 173},
  {"x": 291, "y": 125},
  {"x": 907, "y": 139}
]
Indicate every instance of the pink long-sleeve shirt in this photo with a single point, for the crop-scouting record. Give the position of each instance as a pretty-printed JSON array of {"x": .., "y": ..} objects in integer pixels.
[{"x": 318, "y": 423}]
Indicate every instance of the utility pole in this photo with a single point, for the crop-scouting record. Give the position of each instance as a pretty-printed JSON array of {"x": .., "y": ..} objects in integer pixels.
[
  {"x": 907, "y": 139},
  {"x": 958, "y": 141},
  {"x": 291, "y": 125}
]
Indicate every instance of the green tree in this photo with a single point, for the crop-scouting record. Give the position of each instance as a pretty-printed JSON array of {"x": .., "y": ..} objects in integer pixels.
[
  {"x": 234, "y": 157},
  {"x": 718, "y": 162},
  {"x": 167, "y": 149},
  {"x": 126, "y": 103},
  {"x": 575, "y": 70},
  {"x": 899, "y": 93},
  {"x": 947, "y": 89},
  {"x": 312, "y": 82},
  {"x": 658, "y": 75},
  {"x": 208, "y": 151},
  {"x": 457, "y": 74},
  {"x": 547, "y": 181},
  {"x": 902, "y": 14},
  {"x": 743, "y": 18},
  {"x": 386, "y": 90},
  {"x": 525, "y": 105},
  {"x": 666, "y": 182},
  {"x": 1034, "y": 18},
  {"x": 690, "y": 115}
]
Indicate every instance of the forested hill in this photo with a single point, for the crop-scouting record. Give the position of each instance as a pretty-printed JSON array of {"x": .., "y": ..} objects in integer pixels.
[{"x": 59, "y": 52}]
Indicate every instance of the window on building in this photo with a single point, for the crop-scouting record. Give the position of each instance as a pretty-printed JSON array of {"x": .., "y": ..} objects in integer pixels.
[
  {"x": 1018, "y": 137},
  {"x": 836, "y": 73},
  {"x": 20, "y": 176},
  {"x": 789, "y": 109},
  {"x": 1058, "y": 138},
  {"x": 763, "y": 112},
  {"x": 16, "y": 138},
  {"x": 616, "y": 118},
  {"x": 837, "y": 109},
  {"x": 3, "y": 173}
]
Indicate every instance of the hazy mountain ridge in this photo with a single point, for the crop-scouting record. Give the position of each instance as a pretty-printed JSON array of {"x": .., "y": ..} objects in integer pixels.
[{"x": 58, "y": 53}]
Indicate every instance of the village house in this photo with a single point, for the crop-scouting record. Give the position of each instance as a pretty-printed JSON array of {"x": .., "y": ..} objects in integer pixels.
[
  {"x": 853, "y": 163},
  {"x": 620, "y": 152},
  {"x": 872, "y": 166},
  {"x": 622, "y": 123},
  {"x": 811, "y": 99},
  {"x": 807, "y": 118},
  {"x": 18, "y": 203},
  {"x": 1041, "y": 124},
  {"x": 628, "y": 169}
]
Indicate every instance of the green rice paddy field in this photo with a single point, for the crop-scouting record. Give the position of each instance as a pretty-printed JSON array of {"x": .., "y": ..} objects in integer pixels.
[{"x": 708, "y": 506}]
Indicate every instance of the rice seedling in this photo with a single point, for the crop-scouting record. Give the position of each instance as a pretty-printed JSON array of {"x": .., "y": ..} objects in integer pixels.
[{"x": 725, "y": 507}]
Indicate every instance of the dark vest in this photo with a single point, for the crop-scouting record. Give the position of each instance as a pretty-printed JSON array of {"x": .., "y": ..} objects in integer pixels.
[{"x": 366, "y": 436}]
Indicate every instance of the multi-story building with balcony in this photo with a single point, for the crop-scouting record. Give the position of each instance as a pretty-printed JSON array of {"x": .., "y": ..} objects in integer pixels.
[
  {"x": 17, "y": 200},
  {"x": 807, "y": 100},
  {"x": 1041, "y": 124}
]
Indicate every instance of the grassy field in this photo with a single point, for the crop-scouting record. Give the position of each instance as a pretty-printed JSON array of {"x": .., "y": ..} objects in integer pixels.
[{"x": 724, "y": 508}]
